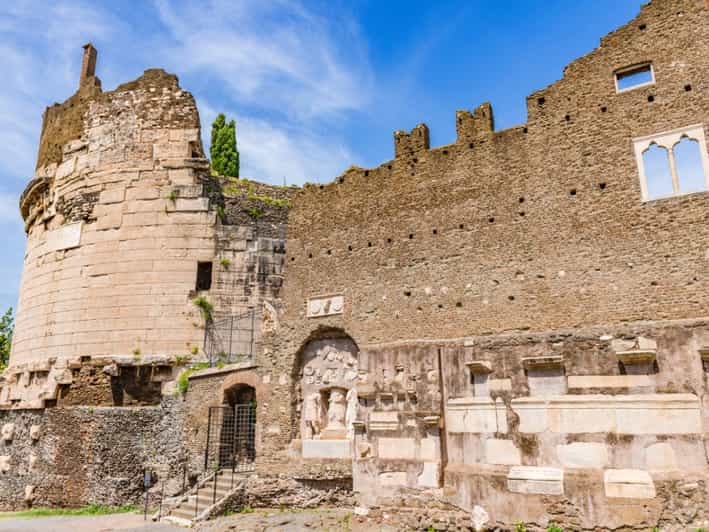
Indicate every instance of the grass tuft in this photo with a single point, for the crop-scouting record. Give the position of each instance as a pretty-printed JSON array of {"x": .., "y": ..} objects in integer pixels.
[{"x": 91, "y": 509}]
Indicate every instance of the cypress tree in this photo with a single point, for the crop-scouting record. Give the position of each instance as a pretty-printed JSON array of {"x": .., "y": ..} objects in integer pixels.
[{"x": 225, "y": 156}]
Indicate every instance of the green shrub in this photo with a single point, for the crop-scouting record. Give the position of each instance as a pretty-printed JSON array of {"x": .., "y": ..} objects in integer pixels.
[
  {"x": 205, "y": 307},
  {"x": 255, "y": 212},
  {"x": 221, "y": 214},
  {"x": 183, "y": 381}
]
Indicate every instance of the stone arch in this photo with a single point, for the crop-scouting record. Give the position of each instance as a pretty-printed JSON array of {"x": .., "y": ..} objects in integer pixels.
[
  {"x": 324, "y": 371},
  {"x": 240, "y": 380},
  {"x": 240, "y": 432}
]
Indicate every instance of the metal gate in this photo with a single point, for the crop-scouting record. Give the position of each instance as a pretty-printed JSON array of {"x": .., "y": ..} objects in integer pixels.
[{"x": 231, "y": 438}]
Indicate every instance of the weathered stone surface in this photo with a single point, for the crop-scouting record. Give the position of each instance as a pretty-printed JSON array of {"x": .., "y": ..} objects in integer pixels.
[
  {"x": 661, "y": 457},
  {"x": 327, "y": 449},
  {"x": 628, "y": 483},
  {"x": 542, "y": 480},
  {"x": 631, "y": 414},
  {"x": 397, "y": 448},
  {"x": 475, "y": 415},
  {"x": 580, "y": 454},
  {"x": 502, "y": 452}
]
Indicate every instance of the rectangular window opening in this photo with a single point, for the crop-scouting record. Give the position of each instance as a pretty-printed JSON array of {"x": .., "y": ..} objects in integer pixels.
[
  {"x": 204, "y": 276},
  {"x": 634, "y": 77}
]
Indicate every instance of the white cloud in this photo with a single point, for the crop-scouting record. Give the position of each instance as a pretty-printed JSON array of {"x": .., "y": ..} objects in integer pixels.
[
  {"x": 38, "y": 41},
  {"x": 275, "y": 55},
  {"x": 270, "y": 153}
]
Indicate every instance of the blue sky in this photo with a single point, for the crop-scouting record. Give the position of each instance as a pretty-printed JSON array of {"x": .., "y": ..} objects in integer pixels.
[{"x": 314, "y": 86}]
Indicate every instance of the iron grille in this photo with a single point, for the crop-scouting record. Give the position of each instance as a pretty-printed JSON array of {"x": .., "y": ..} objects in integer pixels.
[
  {"x": 231, "y": 438},
  {"x": 230, "y": 340}
]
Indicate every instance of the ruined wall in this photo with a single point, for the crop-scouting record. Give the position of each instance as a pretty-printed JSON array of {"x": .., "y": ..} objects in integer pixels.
[
  {"x": 536, "y": 227},
  {"x": 569, "y": 313},
  {"x": 80, "y": 455}
]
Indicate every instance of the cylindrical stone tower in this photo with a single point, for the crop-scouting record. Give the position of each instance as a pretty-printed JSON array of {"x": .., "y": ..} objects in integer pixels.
[{"x": 117, "y": 220}]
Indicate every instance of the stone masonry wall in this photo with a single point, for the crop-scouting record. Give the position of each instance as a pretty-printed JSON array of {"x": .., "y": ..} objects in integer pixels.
[
  {"x": 530, "y": 256},
  {"x": 536, "y": 227},
  {"x": 82, "y": 455}
]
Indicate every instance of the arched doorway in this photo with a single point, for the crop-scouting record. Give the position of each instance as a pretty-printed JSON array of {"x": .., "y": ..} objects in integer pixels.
[{"x": 236, "y": 417}]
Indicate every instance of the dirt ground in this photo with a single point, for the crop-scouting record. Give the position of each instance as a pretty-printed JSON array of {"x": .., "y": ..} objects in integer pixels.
[
  {"x": 95, "y": 523},
  {"x": 272, "y": 520}
]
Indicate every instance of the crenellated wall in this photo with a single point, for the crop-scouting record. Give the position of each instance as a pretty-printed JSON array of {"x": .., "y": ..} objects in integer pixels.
[
  {"x": 562, "y": 318},
  {"x": 511, "y": 324}
]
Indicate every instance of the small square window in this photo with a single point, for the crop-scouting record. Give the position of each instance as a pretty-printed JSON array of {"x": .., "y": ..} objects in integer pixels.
[
  {"x": 204, "y": 276},
  {"x": 634, "y": 77}
]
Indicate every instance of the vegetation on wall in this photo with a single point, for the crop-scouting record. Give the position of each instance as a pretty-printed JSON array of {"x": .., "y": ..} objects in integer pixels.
[
  {"x": 183, "y": 381},
  {"x": 205, "y": 307},
  {"x": 223, "y": 151},
  {"x": 7, "y": 325}
]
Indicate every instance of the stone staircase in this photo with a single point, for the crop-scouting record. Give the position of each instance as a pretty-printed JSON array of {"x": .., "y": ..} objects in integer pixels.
[{"x": 198, "y": 500}]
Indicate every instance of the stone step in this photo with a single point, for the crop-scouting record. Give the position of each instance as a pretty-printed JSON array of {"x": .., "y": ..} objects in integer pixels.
[
  {"x": 209, "y": 490},
  {"x": 183, "y": 513}
]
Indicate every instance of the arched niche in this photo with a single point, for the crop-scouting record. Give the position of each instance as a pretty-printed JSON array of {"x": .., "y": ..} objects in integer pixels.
[{"x": 324, "y": 377}]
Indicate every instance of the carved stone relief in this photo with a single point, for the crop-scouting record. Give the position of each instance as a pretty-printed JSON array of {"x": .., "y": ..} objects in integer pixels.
[
  {"x": 325, "y": 306},
  {"x": 327, "y": 383}
]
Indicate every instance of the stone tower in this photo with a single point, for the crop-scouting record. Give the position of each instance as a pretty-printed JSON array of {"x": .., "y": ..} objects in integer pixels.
[{"x": 117, "y": 221}]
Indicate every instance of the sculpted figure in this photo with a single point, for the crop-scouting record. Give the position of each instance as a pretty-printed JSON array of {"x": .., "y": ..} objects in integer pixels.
[
  {"x": 311, "y": 415},
  {"x": 336, "y": 410},
  {"x": 351, "y": 413}
]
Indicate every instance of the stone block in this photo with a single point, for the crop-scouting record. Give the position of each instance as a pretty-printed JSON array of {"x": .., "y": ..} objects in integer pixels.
[
  {"x": 396, "y": 448},
  {"x": 340, "y": 449},
  {"x": 112, "y": 195},
  {"x": 502, "y": 452},
  {"x": 541, "y": 480},
  {"x": 4, "y": 464},
  {"x": 383, "y": 421},
  {"x": 392, "y": 478},
  {"x": 611, "y": 381},
  {"x": 142, "y": 193},
  {"x": 544, "y": 381},
  {"x": 660, "y": 457},
  {"x": 476, "y": 415},
  {"x": 325, "y": 306},
  {"x": 430, "y": 449},
  {"x": 623, "y": 414},
  {"x": 35, "y": 432},
  {"x": 182, "y": 176},
  {"x": 171, "y": 150},
  {"x": 191, "y": 204},
  {"x": 66, "y": 168},
  {"x": 628, "y": 483},
  {"x": 429, "y": 476},
  {"x": 65, "y": 237},
  {"x": 583, "y": 455},
  {"x": 500, "y": 385},
  {"x": 8, "y": 432}
]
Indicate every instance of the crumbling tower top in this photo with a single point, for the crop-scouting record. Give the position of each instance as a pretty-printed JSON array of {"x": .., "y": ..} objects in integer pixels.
[{"x": 88, "y": 65}]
